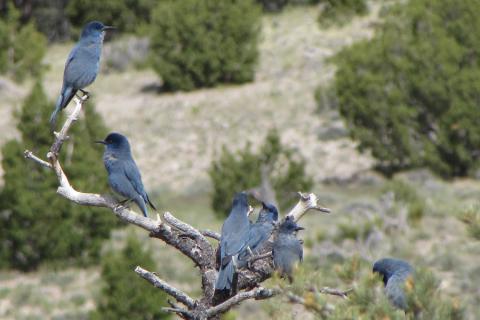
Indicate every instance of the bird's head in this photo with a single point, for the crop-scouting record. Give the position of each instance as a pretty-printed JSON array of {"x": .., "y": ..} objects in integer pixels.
[
  {"x": 387, "y": 267},
  {"x": 289, "y": 226},
  {"x": 95, "y": 29},
  {"x": 116, "y": 142},
  {"x": 269, "y": 211},
  {"x": 240, "y": 199}
]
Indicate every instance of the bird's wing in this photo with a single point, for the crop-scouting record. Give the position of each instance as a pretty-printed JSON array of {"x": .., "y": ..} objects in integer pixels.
[
  {"x": 71, "y": 55},
  {"x": 395, "y": 292},
  {"x": 236, "y": 240},
  {"x": 78, "y": 67},
  {"x": 133, "y": 175},
  {"x": 122, "y": 185}
]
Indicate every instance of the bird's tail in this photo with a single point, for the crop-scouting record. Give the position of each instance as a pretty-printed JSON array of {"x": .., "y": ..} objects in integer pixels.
[
  {"x": 225, "y": 277},
  {"x": 150, "y": 203},
  {"x": 141, "y": 204},
  {"x": 65, "y": 97}
]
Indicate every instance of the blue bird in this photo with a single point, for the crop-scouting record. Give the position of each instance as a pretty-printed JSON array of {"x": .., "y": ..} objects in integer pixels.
[
  {"x": 394, "y": 273},
  {"x": 233, "y": 240},
  {"x": 287, "y": 249},
  {"x": 259, "y": 232},
  {"x": 81, "y": 67},
  {"x": 123, "y": 174}
]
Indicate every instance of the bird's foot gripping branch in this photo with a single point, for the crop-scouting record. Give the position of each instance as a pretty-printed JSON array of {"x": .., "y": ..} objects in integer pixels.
[{"x": 188, "y": 240}]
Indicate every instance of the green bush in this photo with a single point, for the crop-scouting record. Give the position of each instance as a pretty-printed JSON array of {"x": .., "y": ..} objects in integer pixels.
[
  {"x": 125, "y": 15},
  {"x": 338, "y": 12},
  {"x": 36, "y": 224},
  {"x": 48, "y": 16},
  {"x": 200, "y": 43},
  {"x": 125, "y": 295},
  {"x": 409, "y": 95},
  {"x": 21, "y": 46},
  {"x": 234, "y": 172}
]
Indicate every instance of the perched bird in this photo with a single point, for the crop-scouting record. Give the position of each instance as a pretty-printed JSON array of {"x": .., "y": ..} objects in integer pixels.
[
  {"x": 233, "y": 240},
  {"x": 259, "y": 232},
  {"x": 287, "y": 249},
  {"x": 123, "y": 174},
  {"x": 81, "y": 67},
  {"x": 394, "y": 272}
]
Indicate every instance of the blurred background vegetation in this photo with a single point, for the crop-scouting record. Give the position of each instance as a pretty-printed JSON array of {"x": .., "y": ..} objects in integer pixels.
[{"x": 370, "y": 104}]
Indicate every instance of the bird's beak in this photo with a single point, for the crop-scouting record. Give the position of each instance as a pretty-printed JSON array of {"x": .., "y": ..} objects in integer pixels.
[
  {"x": 299, "y": 228},
  {"x": 100, "y": 141},
  {"x": 106, "y": 28}
]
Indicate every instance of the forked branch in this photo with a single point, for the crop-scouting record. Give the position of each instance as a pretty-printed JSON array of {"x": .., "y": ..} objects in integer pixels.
[{"x": 186, "y": 239}]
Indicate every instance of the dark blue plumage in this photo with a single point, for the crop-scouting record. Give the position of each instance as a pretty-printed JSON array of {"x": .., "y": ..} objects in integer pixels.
[
  {"x": 81, "y": 67},
  {"x": 287, "y": 249},
  {"x": 233, "y": 240},
  {"x": 394, "y": 273},
  {"x": 259, "y": 232},
  {"x": 123, "y": 174}
]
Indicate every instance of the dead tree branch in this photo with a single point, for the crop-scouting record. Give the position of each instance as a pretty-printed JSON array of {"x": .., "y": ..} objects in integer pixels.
[
  {"x": 180, "y": 235},
  {"x": 332, "y": 291},
  {"x": 308, "y": 201},
  {"x": 211, "y": 234},
  {"x": 257, "y": 294},
  {"x": 179, "y": 295}
]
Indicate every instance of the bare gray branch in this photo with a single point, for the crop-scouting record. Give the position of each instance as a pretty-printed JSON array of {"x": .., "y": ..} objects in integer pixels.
[{"x": 179, "y": 295}]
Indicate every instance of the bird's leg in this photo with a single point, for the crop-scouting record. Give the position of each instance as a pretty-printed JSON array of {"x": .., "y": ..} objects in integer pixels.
[
  {"x": 250, "y": 253},
  {"x": 84, "y": 92},
  {"x": 123, "y": 203}
]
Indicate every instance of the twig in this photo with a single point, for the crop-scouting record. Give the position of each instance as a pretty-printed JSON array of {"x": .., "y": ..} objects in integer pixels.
[
  {"x": 62, "y": 136},
  {"x": 211, "y": 234},
  {"x": 179, "y": 311},
  {"x": 183, "y": 226},
  {"x": 179, "y": 295},
  {"x": 259, "y": 293},
  {"x": 308, "y": 201},
  {"x": 29, "y": 155},
  {"x": 332, "y": 291}
]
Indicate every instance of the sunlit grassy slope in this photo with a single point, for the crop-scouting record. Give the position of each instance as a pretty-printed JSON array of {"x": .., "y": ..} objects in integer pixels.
[{"x": 176, "y": 135}]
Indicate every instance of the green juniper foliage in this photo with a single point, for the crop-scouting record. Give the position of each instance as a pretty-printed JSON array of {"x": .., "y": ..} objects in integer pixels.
[
  {"x": 409, "y": 95},
  {"x": 125, "y": 15},
  {"x": 242, "y": 170},
  {"x": 200, "y": 43},
  {"x": 48, "y": 16},
  {"x": 36, "y": 224},
  {"x": 21, "y": 46},
  {"x": 125, "y": 295}
]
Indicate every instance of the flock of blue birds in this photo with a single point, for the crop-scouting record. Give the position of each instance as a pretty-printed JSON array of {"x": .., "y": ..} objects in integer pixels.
[{"x": 240, "y": 239}]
